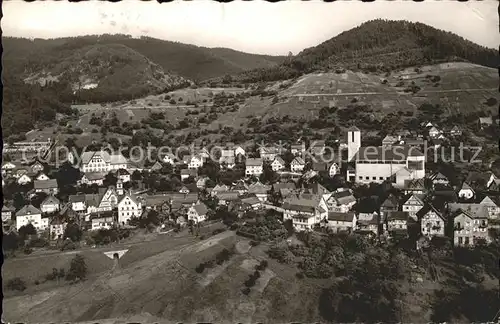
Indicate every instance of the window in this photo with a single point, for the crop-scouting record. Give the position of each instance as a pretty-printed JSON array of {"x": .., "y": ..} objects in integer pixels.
[
  {"x": 374, "y": 178},
  {"x": 367, "y": 178},
  {"x": 381, "y": 178},
  {"x": 360, "y": 178}
]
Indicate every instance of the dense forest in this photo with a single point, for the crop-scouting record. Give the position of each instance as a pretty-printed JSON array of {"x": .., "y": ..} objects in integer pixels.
[
  {"x": 379, "y": 45},
  {"x": 25, "y": 105},
  {"x": 189, "y": 61}
]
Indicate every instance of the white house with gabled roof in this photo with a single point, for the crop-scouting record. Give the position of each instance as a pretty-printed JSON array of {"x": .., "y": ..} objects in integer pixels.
[
  {"x": 254, "y": 166},
  {"x": 297, "y": 164},
  {"x": 278, "y": 164},
  {"x": 466, "y": 192},
  {"x": 128, "y": 207},
  {"x": 31, "y": 215}
]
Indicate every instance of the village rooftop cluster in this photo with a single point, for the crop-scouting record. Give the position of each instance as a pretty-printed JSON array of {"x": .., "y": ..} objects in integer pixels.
[{"x": 110, "y": 191}]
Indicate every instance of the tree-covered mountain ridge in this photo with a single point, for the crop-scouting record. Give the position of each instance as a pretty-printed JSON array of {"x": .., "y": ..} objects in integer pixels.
[{"x": 379, "y": 46}]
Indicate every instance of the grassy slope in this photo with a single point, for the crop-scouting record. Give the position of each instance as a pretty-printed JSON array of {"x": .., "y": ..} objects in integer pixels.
[
  {"x": 332, "y": 88},
  {"x": 452, "y": 92}
]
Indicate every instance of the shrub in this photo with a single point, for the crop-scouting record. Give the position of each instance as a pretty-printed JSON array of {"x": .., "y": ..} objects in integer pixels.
[
  {"x": 218, "y": 231},
  {"x": 200, "y": 268},
  {"x": 38, "y": 243},
  {"x": 202, "y": 237},
  {"x": 256, "y": 275},
  {"x": 77, "y": 269},
  {"x": 16, "y": 284},
  {"x": 37, "y": 282},
  {"x": 254, "y": 243},
  {"x": 28, "y": 250},
  {"x": 300, "y": 275},
  {"x": 68, "y": 245},
  {"x": 246, "y": 291},
  {"x": 250, "y": 282}
]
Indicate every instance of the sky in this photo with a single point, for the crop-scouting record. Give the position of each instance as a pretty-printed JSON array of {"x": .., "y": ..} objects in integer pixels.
[{"x": 254, "y": 26}]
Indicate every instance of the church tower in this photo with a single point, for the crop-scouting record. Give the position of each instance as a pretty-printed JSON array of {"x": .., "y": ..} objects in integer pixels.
[
  {"x": 119, "y": 187},
  {"x": 353, "y": 142}
]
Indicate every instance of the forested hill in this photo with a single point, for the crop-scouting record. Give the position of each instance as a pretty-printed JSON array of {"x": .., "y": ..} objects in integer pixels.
[
  {"x": 188, "y": 61},
  {"x": 380, "y": 45}
]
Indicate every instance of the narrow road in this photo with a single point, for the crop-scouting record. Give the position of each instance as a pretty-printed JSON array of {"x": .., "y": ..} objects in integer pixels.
[{"x": 385, "y": 93}]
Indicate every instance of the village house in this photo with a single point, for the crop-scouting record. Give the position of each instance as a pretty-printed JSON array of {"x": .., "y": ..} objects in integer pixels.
[
  {"x": 253, "y": 167},
  {"x": 57, "y": 227},
  {"x": 412, "y": 204},
  {"x": 368, "y": 222},
  {"x": 31, "y": 215},
  {"x": 341, "y": 201},
  {"x": 297, "y": 164},
  {"x": 23, "y": 180},
  {"x": 333, "y": 169},
  {"x": 269, "y": 153},
  {"x": 123, "y": 175},
  {"x": 50, "y": 204},
  {"x": 128, "y": 207},
  {"x": 434, "y": 132},
  {"x": 197, "y": 213},
  {"x": 397, "y": 220},
  {"x": 278, "y": 164},
  {"x": 102, "y": 220},
  {"x": 186, "y": 173},
  {"x": 415, "y": 186},
  {"x": 439, "y": 178},
  {"x": 341, "y": 222},
  {"x": 169, "y": 158},
  {"x": 102, "y": 161},
  {"x": 227, "y": 197},
  {"x": 180, "y": 201},
  {"x": 389, "y": 140},
  {"x": 432, "y": 222},
  {"x": 201, "y": 182},
  {"x": 298, "y": 149},
  {"x": 390, "y": 204},
  {"x": 251, "y": 202},
  {"x": 193, "y": 161},
  {"x": 91, "y": 204},
  {"x": 36, "y": 167},
  {"x": 259, "y": 190},
  {"x": 455, "y": 131},
  {"x": 7, "y": 212},
  {"x": 41, "y": 176},
  {"x": 492, "y": 205},
  {"x": 8, "y": 167},
  {"x": 202, "y": 152},
  {"x": 184, "y": 190},
  {"x": 218, "y": 189},
  {"x": 466, "y": 192},
  {"x": 485, "y": 121},
  {"x": 48, "y": 186},
  {"x": 78, "y": 202},
  {"x": 240, "y": 187},
  {"x": 239, "y": 151},
  {"x": 227, "y": 158},
  {"x": 92, "y": 178},
  {"x": 469, "y": 228},
  {"x": 108, "y": 199},
  {"x": 304, "y": 213}
]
